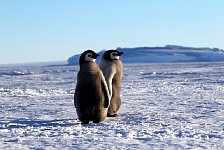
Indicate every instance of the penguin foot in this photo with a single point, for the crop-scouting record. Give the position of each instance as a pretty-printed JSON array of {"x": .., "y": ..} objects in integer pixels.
[
  {"x": 111, "y": 115},
  {"x": 96, "y": 121},
  {"x": 85, "y": 122}
]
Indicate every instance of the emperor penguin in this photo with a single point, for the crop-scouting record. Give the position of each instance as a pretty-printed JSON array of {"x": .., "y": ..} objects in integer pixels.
[
  {"x": 112, "y": 68},
  {"x": 91, "y": 97}
]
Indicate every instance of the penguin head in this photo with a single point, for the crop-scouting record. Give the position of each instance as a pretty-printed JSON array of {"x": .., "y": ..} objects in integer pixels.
[
  {"x": 88, "y": 56},
  {"x": 112, "y": 55}
]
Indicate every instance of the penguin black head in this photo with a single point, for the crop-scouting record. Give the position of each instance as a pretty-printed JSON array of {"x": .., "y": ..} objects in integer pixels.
[
  {"x": 88, "y": 56},
  {"x": 112, "y": 55}
]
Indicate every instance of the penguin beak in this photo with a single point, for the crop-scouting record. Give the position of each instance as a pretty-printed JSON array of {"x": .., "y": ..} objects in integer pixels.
[
  {"x": 119, "y": 53},
  {"x": 95, "y": 56}
]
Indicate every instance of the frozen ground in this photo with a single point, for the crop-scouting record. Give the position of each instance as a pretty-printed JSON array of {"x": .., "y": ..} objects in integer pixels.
[{"x": 164, "y": 106}]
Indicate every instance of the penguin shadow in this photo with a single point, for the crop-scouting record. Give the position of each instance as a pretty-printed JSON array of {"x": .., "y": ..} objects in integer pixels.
[{"x": 45, "y": 124}]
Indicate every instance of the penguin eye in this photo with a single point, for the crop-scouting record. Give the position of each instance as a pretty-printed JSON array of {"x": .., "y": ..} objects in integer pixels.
[
  {"x": 114, "y": 54},
  {"x": 89, "y": 55}
]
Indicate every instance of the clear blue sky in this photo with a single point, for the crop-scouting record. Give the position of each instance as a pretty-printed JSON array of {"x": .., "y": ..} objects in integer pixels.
[{"x": 49, "y": 30}]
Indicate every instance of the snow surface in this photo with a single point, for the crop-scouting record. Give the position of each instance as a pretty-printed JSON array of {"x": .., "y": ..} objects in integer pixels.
[{"x": 164, "y": 106}]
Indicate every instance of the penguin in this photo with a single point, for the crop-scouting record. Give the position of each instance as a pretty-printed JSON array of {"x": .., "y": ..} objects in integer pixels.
[
  {"x": 112, "y": 69},
  {"x": 91, "y": 97}
]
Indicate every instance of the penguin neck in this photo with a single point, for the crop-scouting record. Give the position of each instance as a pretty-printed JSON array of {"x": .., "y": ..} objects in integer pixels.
[
  {"x": 111, "y": 60},
  {"x": 89, "y": 65},
  {"x": 114, "y": 61}
]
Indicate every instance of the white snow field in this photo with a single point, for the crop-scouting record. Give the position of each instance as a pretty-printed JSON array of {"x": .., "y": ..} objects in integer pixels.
[{"x": 164, "y": 106}]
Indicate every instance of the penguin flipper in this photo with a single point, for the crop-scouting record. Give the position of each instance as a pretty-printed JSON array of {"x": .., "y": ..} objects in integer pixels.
[
  {"x": 109, "y": 74},
  {"x": 75, "y": 97},
  {"x": 75, "y": 94},
  {"x": 106, "y": 92}
]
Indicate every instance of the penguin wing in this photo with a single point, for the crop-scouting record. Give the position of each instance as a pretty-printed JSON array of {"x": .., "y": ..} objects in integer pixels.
[
  {"x": 76, "y": 94},
  {"x": 75, "y": 97},
  {"x": 109, "y": 74},
  {"x": 106, "y": 93}
]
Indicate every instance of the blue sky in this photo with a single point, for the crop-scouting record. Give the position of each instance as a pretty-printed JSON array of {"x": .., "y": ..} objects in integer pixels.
[{"x": 51, "y": 30}]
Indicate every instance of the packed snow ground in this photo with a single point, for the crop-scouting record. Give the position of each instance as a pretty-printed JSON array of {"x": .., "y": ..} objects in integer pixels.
[{"x": 164, "y": 106}]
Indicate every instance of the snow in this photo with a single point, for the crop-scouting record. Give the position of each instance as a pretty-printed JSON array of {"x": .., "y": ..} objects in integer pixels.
[{"x": 164, "y": 106}]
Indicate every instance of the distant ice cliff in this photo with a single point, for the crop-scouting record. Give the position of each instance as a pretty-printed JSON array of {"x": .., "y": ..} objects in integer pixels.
[{"x": 166, "y": 54}]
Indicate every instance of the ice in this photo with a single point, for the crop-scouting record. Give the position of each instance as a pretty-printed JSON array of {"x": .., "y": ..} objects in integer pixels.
[
  {"x": 164, "y": 106},
  {"x": 168, "y": 53}
]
